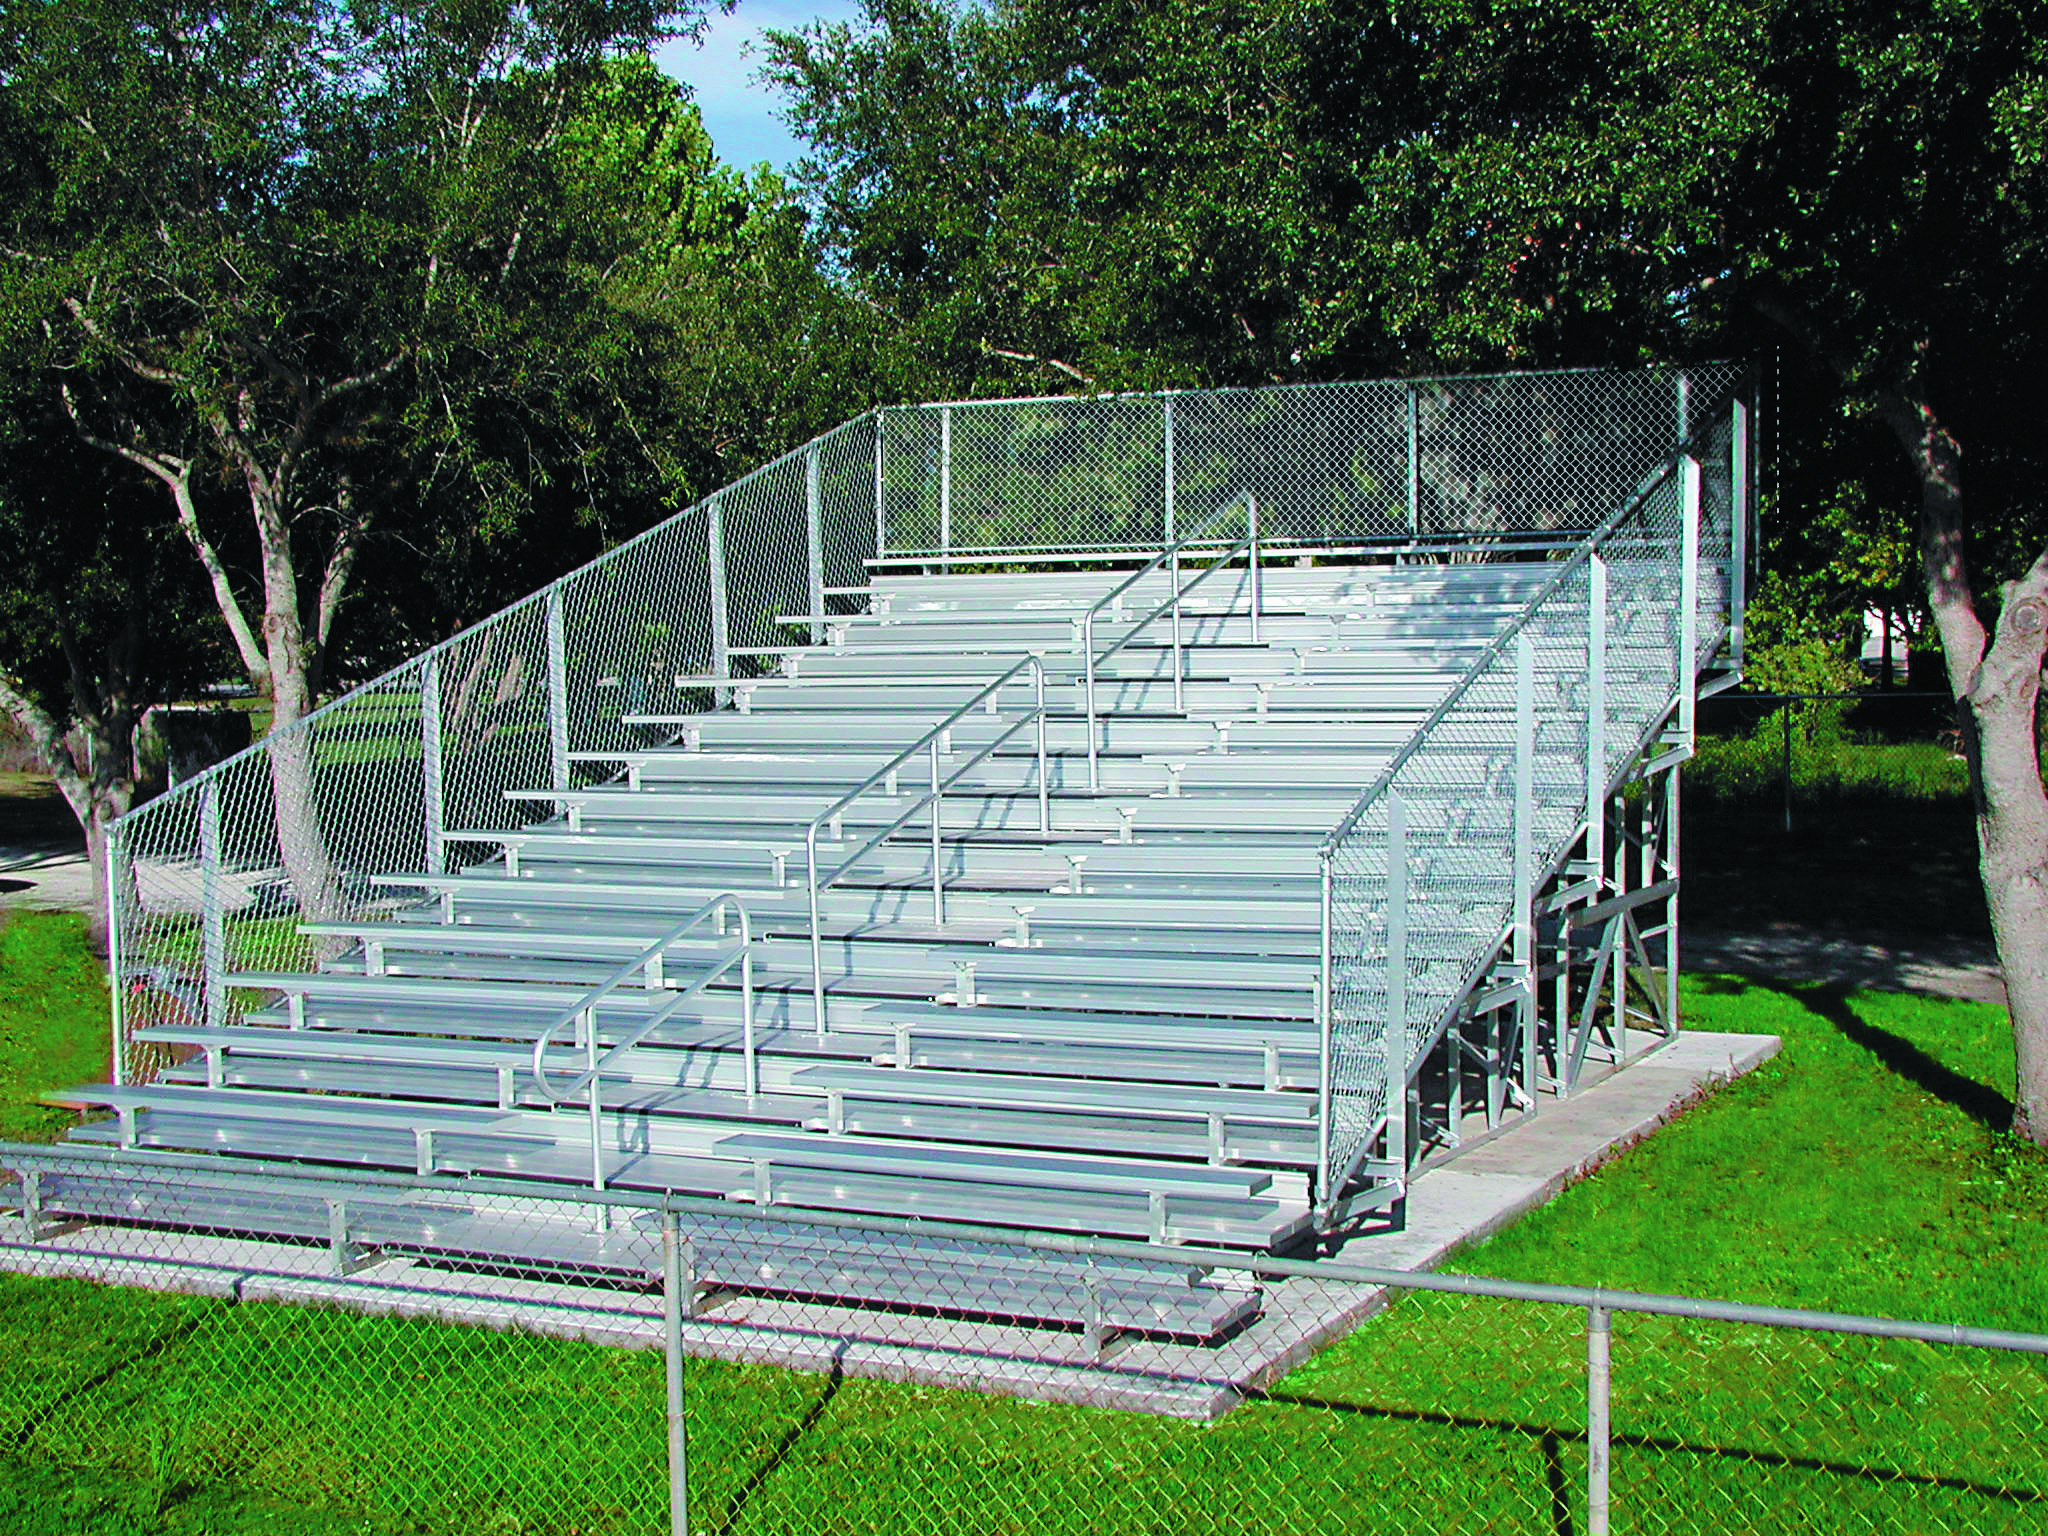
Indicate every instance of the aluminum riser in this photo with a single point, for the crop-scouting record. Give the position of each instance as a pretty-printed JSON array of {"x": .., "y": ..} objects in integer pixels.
[
  {"x": 1014, "y": 772},
  {"x": 539, "y": 1131},
  {"x": 1024, "y": 633},
  {"x": 709, "y": 1081},
  {"x": 1225, "y": 1051},
  {"x": 1256, "y": 1223},
  {"x": 1326, "y": 692},
  {"x": 912, "y": 962},
  {"x": 1127, "y": 735},
  {"x": 1417, "y": 665},
  {"x": 775, "y": 1259},
  {"x": 886, "y": 1107}
]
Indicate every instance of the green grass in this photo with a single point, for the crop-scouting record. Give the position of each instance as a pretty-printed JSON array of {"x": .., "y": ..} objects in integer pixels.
[
  {"x": 1863, "y": 1169},
  {"x": 1738, "y": 770},
  {"x": 53, "y": 1019}
]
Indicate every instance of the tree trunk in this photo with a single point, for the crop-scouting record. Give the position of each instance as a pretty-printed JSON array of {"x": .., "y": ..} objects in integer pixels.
[
  {"x": 302, "y": 839},
  {"x": 1995, "y": 680}
]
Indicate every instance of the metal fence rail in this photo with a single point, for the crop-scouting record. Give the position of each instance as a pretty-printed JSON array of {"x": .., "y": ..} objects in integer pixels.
[{"x": 459, "y": 1369}]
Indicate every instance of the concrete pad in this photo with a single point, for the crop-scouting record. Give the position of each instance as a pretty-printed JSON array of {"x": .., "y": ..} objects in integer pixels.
[{"x": 1452, "y": 1203}]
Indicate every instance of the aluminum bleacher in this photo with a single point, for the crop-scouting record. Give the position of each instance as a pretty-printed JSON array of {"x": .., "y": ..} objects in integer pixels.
[{"x": 1164, "y": 818}]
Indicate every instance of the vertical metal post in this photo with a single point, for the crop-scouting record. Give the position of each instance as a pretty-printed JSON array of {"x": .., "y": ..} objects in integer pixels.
[
  {"x": 432, "y": 790},
  {"x": 1173, "y": 567},
  {"x": 881, "y": 509},
  {"x": 721, "y": 611},
  {"x": 1168, "y": 405},
  {"x": 1396, "y": 1043},
  {"x": 1599, "y": 1380},
  {"x": 1671, "y": 902},
  {"x": 1688, "y": 596},
  {"x": 945, "y": 478},
  {"x": 590, "y": 1062},
  {"x": 1038, "y": 708},
  {"x": 1324, "y": 1194},
  {"x": 672, "y": 1349},
  {"x": 814, "y": 545},
  {"x": 558, "y": 690},
  {"x": 1596, "y": 717},
  {"x": 1252, "y": 515},
  {"x": 1738, "y": 530},
  {"x": 817, "y": 943},
  {"x": 1414, "y": 463},
  {"x": 117, "y": 986},
  {"x": 1684, "y": 402},
  {"x": 938, "y": 870},
  {"x": 1525, "y": 852},
  {"x": 1088, "y": 694},
  {"x": 213, "y": 942},
  {"x": 1785, "y": 722}
]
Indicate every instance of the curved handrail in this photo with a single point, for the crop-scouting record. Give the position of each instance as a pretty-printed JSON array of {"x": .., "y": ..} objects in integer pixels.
[
  {"x": 1172, "y": 552},
  {"x": 648, "y": 963},
  {"x": 934, "y": 797}
]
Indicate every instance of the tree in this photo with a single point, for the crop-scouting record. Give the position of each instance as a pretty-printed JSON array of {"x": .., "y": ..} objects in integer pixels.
[
  {"x": 1117, "y": 194},
  {"x": 313, "y": 251},
  {"x": 1865, "y": 183},
  {"x": 99, "y": 616}
]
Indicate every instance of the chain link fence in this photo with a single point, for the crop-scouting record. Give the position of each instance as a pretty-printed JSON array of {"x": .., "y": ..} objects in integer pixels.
[
  {"x": 1509, "y": 455},
  {"x": 437, "y": 1357}
]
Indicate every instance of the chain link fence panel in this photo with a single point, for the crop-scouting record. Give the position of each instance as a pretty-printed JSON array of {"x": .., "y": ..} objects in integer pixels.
[{"x": 440, "y": 1357}]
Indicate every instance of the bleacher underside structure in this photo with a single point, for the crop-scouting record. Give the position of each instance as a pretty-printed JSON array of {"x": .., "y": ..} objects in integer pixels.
[{"x": 1167, "y": 818}]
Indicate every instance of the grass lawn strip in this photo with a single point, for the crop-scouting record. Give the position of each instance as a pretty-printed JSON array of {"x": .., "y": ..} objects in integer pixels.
[{"x": 1861, "y": 1170}]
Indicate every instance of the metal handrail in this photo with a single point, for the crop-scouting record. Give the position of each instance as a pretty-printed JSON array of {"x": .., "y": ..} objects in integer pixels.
[
  {"x": 648, "y": 964},
  {"x": 929, "y": 743},
  {"x": 1170, "y": 554},
  {"x": 1514, "y": 635}
]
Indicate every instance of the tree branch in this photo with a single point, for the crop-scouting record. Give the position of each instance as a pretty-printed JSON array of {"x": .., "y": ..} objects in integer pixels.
[{"x": 1050, "y": 362}]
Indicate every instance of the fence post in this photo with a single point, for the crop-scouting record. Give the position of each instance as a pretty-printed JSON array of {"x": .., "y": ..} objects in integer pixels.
[
  {"x": 1688, "y": 596},
  {"x": 1325, "y": 1195},
  {"x": 881, "y": 511},
  {"x": 558, "y": 691},
  {"x": 1525, "y": 853},
  {"x": 672, "y": 1349},
  {"x": 1599, "y": 1363},
  {"x": 1258, "y": 600},
  {"x": 212, "y": 922},
  {"x": 721, "y": 612},
  {"x": 1738, "y": 530},
  {"x": 945, "y": 479},
  {"x": 1596, "y": 717},
  {"x": 117, "y": 989},
  {"x": 1414, "y": 463},
  {"x": 1396, "y": 1044},
  {"x": 433, "y": 794},
  {"x": 814, "y": 545},
  {"x": 1169, "y": 468}
]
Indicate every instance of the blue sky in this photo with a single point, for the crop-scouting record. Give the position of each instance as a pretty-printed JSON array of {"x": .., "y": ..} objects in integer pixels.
[{"x": 738, "y": 112}]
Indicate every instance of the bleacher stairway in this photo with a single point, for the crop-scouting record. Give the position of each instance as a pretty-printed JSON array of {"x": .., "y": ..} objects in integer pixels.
[
  {"x": 1012, "y": 898},
  {"x": 1112, "y": 1031}
]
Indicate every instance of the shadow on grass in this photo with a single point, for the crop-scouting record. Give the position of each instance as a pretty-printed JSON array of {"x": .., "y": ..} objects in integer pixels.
[
  {"x": 78, "y": 1391},
  {"x": 791, "y": 1438},
  {"x": 1981, "y": 1102},
  {"x": 1549, "y": 1439}
]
